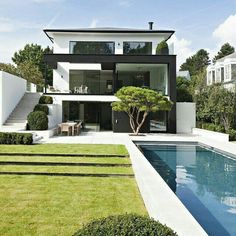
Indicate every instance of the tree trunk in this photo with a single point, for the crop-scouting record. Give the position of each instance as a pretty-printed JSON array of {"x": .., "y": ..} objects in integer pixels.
[{"x": 140, "y": 125}]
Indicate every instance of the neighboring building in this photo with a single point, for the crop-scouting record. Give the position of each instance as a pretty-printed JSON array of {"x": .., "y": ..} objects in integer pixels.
[
  {"x": 184, "y": 73},
  {"x": 91, "y": 64},
  {"x": 223, "y": 71}
]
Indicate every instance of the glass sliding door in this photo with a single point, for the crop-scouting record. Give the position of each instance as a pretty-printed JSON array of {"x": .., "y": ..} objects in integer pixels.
[
  {"x": 158, "y": 121},
  {"x": 96, "y": 116},
  {"x": 153, "y": 76},
  {"x": 91, "y": 82}
]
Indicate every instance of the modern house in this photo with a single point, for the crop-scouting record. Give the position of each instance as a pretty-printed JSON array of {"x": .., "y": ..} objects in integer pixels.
[
  {"x": 91, "y": 64},
  {"x": 223, "y": 71}
]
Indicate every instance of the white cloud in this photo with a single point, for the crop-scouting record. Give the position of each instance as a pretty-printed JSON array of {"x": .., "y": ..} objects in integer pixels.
[
  {"x": 125, "y": 3},
  {"x": 93, "y": 23},
  {"x": 225, "y": 32},
  {"x": 182, "y": 48}
]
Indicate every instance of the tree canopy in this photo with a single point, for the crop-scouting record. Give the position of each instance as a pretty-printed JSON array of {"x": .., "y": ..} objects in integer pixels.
[
  {"x": 225, "y": 50},
  {"x": 30, "y": 72},
  {"x": 196, "y": 63},
  {"x": 33, "y": 55},
  {"x": 183, "y": 90},
  {"x": 138, "y": 103}
]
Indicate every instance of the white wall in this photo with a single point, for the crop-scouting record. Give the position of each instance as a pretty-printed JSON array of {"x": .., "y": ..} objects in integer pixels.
[
  {"x": 55, "y": 115},
  {"x": 12, "y": 89},
  {"x": 61, "y": 40},
  {"x": 185, "y": 117}
]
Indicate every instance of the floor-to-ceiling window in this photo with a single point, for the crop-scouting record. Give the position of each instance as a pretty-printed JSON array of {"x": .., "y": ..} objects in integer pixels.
[
  {"x": 153, "y": 76},
  {"x": 91, "y": 82},
  {"x": 95, "y": 116},
  {"x": 158, "y": 121}
]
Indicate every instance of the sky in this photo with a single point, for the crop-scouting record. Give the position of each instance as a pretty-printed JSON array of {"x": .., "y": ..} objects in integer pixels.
[{"x": 198, "y": 24}]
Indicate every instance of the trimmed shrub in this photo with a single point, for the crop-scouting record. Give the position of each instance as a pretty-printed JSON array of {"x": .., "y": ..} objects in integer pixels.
[
  {"x": 16, "y": 138},
  {"x": 122, "y": 225},
  {"x": 183, "y": 95},
  {"x": 46, "y": 100},
  {"x": 213, "y": 127},
  {"x": 41, "y": 107},
  {"x": 232, "y": 135},
  {"x": 162, "y": 48},
  {"x": 37, "y": 120}
]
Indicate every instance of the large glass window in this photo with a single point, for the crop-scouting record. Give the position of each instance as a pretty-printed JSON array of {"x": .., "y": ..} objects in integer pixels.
[
  {"x": 137, "y": 48},
  {"x": 94, "y": 115},
  {"x": 91, "y": 81},
  {"x": 158, "y": 121},
  {"x": 87, "y": 47},
  {"x": 153, "y": 76}
]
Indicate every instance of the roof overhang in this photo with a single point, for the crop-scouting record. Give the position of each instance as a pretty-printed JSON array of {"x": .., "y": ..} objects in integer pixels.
[{"x": 52, "y": 32}]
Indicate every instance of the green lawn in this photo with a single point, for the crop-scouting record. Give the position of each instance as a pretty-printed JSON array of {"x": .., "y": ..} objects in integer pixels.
[
  {"x": 66, "y": 148},
  {"x": 40, "y": 205},
  {"x": 55, "y": 205}
]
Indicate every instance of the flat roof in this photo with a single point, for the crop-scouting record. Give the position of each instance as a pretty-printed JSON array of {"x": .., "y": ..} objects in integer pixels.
[{"x": 49, "y": 32}]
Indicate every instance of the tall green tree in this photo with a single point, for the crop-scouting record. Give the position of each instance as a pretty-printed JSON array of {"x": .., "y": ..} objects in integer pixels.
[
  {"x": 30, "y": 72},
  {"x": 225, "y": 50},
  {"x": 33, "y": 54},
  {"x": 196, "y": 63},
  {"x": 183, "y": 90},
  {"x": 137, "y": 103},
  {"x": 222, "y": 104}
]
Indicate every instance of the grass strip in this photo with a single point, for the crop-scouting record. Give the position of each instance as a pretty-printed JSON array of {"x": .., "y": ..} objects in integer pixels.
[
  {"x": 107, "y": 160},
  {"x": 67, "y": 169},
  {"x": 96, "y": 149}
]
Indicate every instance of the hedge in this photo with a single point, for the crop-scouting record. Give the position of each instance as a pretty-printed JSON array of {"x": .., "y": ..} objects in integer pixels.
[
  {"x": 40, "y": 107},
  {"x": 162, "y": 48},
  {"x": 45, "y": 100},
  {"x": 16, "y": 138},
  {"x": 122, "y": 225},
  {"x": 37, "y": 120}
]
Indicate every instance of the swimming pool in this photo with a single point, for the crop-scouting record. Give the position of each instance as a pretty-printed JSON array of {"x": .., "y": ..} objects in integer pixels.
[{"x": 203, "y": 179}]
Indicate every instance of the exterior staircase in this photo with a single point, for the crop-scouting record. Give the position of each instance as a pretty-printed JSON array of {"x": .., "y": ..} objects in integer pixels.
[{"x": 18, "y": 118}]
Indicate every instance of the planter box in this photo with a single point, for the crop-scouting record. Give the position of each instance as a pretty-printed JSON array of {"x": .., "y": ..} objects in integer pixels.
[{"x": 221, "y": 137}]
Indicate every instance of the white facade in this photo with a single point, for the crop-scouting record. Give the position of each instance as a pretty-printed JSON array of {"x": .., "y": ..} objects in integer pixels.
[
  {"x": 223, "y": 71},
  {"x": 12, "y": 89}
]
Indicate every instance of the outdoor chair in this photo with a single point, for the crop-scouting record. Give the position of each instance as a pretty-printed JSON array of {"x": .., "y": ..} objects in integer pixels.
[
  {"x": 66, "y": 128},
  {"x": 78, "y": 128}
]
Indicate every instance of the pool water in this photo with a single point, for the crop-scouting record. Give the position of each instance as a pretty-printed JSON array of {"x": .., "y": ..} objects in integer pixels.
[{"x": 204, "y": 180}]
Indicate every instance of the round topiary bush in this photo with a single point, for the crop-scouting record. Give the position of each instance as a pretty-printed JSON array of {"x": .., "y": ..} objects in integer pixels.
[
  {"x": 37, "y": 120},
  {"x": 122, "y": 225},
  {"x": 42, "y": 107},
  {"x": 162, "y": 48},
  {"x": 46, "y": 100}
]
